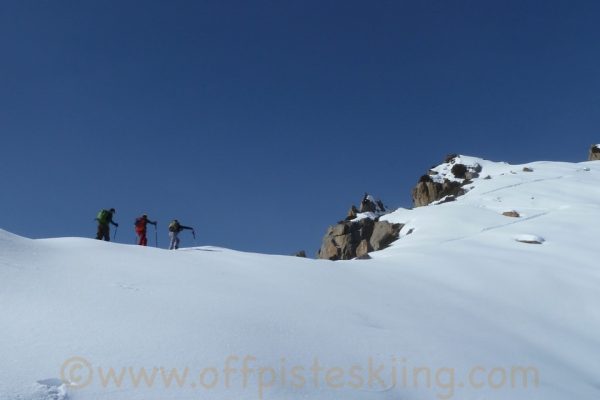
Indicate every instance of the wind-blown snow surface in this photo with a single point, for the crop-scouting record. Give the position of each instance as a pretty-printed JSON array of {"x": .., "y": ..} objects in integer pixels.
[{"x": 459, "y": 297}]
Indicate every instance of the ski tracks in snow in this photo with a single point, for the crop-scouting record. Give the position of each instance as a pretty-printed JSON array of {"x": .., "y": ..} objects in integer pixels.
[
  {"x": 523, "y": 183},
  {"x": 519, "y": 220},
  {"x": 494, "y": 227}
]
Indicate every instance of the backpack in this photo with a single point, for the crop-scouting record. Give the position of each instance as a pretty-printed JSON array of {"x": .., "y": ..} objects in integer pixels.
[
  {"x": 103, "y": 216},
  {"x": 174, "y": 226}
]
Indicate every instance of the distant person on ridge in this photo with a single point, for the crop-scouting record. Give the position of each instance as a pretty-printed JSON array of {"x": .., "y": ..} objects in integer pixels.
[
  {"x": 140, "y": 229},
  {"x": 104, "y": 218},
  {"x": 174, "y": 228}
]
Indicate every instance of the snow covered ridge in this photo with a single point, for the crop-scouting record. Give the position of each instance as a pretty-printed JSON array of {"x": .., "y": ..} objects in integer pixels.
[
  {"x": 8, "y": 237},
  {"x": 502, "y": 279},
  {"x": 448, "y": 180},
  {"x": 368, "y": 229},
  {"x": 457, "y": 175},
  {"x": 459, "y": 168},
  {"x": 512, "y": 195}
]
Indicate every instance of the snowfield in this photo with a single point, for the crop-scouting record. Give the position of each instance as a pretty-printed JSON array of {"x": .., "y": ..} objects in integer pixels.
[{"x": 462, "y": 307}]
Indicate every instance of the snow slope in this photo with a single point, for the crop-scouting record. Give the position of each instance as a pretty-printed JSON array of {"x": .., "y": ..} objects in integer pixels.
[{"x": 459, "y": 299}]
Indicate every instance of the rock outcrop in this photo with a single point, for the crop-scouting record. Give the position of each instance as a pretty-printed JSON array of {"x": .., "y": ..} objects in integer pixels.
[
  {"x": 594, "y": 153},
  {"x": 360, "y": 233},
  {"x": 350, "y": 239},
  {"x": 432, "y": 187},
  {"x": 459, "y": 171},
  {"x": 369, "y": 204},
  {"x": 427, "y": 191},
  {"x": 384, "y": 234}
]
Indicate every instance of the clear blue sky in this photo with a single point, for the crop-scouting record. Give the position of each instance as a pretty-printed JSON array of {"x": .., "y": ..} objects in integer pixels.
[{"x": 261, "y": 122}]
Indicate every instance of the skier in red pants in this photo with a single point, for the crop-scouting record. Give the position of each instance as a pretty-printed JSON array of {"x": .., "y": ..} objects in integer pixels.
[{"x": 140, "y": 229}]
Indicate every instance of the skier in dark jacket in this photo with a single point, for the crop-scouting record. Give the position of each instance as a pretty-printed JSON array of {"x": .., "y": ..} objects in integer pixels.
[
  {"x": 140, "y": 229},
  {"x": 104, "y": 218},
  {"x": 174, "y": 228}
]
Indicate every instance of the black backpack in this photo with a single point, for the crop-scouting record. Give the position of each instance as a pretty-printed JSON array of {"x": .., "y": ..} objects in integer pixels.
[{"x": 174, "y": 226}]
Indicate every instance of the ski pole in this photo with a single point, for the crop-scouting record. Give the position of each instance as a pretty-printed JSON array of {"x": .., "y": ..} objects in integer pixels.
[
  {"x": 115, "y": 235},
  {"x": 156, "y": 234}
]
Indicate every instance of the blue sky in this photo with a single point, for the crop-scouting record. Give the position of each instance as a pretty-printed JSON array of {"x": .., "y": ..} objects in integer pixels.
[{"x": 261, "y": 122}]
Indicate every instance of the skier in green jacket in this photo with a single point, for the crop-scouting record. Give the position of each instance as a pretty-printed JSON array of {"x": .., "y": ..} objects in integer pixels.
[{"x": 105, "y": 218}]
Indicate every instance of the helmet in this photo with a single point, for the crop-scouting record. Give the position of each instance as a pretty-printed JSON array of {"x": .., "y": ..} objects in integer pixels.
[{"x": 112, "y": 210}]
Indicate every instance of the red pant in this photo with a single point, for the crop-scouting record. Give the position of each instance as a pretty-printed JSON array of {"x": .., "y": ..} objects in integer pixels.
[{"x": 142, "y": 239}]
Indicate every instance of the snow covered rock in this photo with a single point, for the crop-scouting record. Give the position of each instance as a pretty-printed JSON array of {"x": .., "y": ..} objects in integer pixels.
[
  {"x": 446, "y": 180},
  {"x": 529, "y": 239},
  {"x": 428, "y": 191},
  {"x": 360, "y": 233}
]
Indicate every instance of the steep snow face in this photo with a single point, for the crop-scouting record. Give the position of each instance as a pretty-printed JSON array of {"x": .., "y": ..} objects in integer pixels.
[{"x": 457, "y": 309}]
